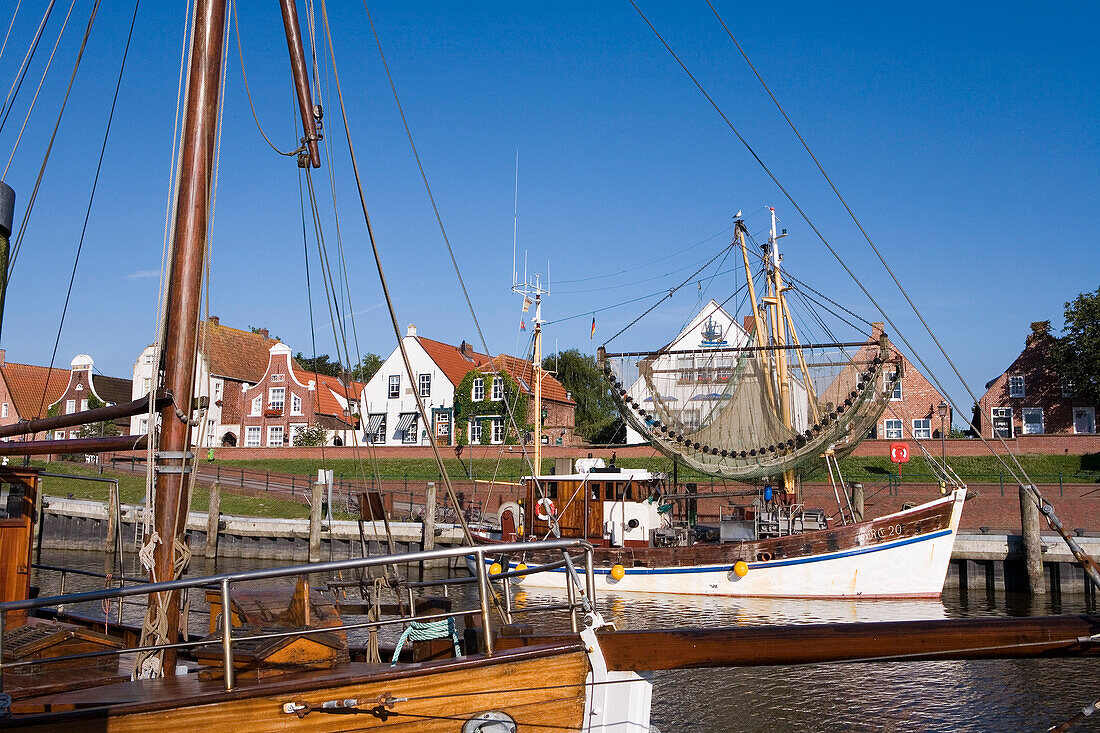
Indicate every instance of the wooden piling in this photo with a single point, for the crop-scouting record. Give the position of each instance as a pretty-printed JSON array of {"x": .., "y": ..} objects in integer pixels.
[
  {"x": 315, "y": 522},
  {"x": 213, "y": 518},
  {"x": 1032, "y": 542},
  {"x": 857, "y": 502},
  {"x": 427, "y": 538},
  {"x": 112, "y": 516}
]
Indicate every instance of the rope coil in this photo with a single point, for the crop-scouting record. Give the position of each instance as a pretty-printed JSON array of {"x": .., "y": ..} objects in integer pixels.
[{"x": 427, "y": 631}]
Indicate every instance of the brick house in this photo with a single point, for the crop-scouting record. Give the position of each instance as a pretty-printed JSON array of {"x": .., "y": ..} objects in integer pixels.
[
  {"x": 558, "y": 407},
  {"x": 228, "y": 359},
  {"x": 287, "y": 397},
  {"x": 85, "y": 390},
  {"x": 1031, "y": 398},
  {"x": 27, "y": 391},
  {"x": 912, "y": 412}
]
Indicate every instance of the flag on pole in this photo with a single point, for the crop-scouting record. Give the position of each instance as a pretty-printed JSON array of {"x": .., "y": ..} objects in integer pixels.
[
  {"x": 526, "y": 303},
  {"x": 522, "y": 325},
  {"x": 593, "y": 334}
]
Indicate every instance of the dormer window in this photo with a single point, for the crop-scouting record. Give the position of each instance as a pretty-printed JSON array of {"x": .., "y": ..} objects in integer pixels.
[
  {"x": 477, "y": 394},
  {"x": 498, "y": 388}
]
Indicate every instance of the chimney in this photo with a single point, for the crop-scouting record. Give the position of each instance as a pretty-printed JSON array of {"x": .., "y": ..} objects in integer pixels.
[
  {"x": 466, "y": 350},
  {"x": 412, "y": 330},
  {"x": 1039, "y": 329},
  {"x": 3, "y": 356},
  {"x": 264, "y": 332},
  {"x": 214, "y": 321},
  {"x": 877, "y": 329}
]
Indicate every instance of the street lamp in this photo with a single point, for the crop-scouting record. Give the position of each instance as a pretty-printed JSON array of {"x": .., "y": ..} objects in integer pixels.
[{"x": 942, "y": 410}]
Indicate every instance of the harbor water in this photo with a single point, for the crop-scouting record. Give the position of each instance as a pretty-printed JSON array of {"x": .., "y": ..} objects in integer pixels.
[{"x": 979, "y": 696}]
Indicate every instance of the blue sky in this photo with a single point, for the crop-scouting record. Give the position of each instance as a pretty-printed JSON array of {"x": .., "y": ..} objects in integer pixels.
[{"x": 963, "y": 136}]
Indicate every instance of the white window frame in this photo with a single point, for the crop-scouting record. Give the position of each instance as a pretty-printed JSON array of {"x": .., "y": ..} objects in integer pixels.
[
  {"x": 475, "y": 432},
  {"x": 1001, "y": 412},
  {"x": 922, "y": 428},
  {"x": 252, "y": 436},
  {"x": 147, "y": 384},
  {"x": 1016, "y": 388},
  {"x": 4, "y": 410},
  {"x": 276, "y": 398},
  {"x": 424, "y": 382},
  {"x": 497, "y": 426},
  {"x": 257, "y": 405},
  {"x": 70, "y": 407},
  {"x": 143, "y": 426},
  {"x": 393, "y": 390},
  {"x": 498, "y": 389},
  {"x": 477, "y": 391},
  {"x": 1069, "y": 386},
  {"x": 294, "y": 427},
  {"x": 443, "y": 424},
  {"x": 209, "y": 432},
  {"x": 1073, "y": 414},
  {"x": 295, "y": 404},
  {"x": 1025, "y": 412},
  {"x": 380, "y": 436},
  {"x": 218, "y": 389},
  {"x": 897, "y": 393},
  {"x": 274, "y": 431},
  {"x": 410, "y": 436},
  {"x": 892, "y": 429},
  {"x": 83, "y": 405}
]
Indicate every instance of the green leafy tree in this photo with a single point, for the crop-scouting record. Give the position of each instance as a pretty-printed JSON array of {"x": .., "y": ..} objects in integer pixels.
[
  {"x": 1077, "y": 352},
  {"x": 320, "y": 364},
  {"x": 310, "y": 435},
  {"x": 367, "y": 367},
  {"x": 466, "y": 409},
  {"x": 597, "y": 417}
]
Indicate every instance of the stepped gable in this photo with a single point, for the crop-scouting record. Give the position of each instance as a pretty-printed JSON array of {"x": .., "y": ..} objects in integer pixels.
[
  {"x": 522, "y": 371},
  {"x": 236, "y": 354},
  {"x": 113, "y": 390},
  {"x": 26, "y": 384},
  {"x": 454, "y": 361}
]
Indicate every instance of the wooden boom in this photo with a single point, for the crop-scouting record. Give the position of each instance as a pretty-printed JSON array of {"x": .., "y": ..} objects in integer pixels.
[{"x": 758, "y": 646}]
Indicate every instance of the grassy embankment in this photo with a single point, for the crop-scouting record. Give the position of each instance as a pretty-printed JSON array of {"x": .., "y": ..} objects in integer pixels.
[{"x": 972, "y": 469}]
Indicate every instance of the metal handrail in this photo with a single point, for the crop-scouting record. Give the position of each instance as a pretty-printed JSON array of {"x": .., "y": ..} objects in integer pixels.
[{"x": 224, "y": 580}]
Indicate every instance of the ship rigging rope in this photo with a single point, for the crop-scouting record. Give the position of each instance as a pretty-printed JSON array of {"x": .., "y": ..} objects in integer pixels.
[
  {"x": 247, "y": 90},
  {"x": 17, "y": 83},
  {"x": 7, "y": 35},
  {"x": 535, "y": 470},
  {"x": 928, "y": 371}
]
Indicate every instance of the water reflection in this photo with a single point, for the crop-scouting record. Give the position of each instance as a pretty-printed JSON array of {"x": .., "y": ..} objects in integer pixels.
[{"x": 984, "y": 695}]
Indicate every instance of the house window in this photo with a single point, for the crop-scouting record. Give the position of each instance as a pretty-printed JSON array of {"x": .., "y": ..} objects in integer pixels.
[
  {"x": 4, "y": 410},
  {"x": 294, "y": 428},
  {"x": 274, "y": 436},
  {"x": 475, "y": 431},
  {"x": 83, "y": 405},
  {"x": 425, "y": 381},
  {"x": 477, "y": 393},
  {"x": 498, "y": 388},
  {"x": 922, "y": 429},
  {"x": 376, "y": 428},
  {"x": 409, "y": 436},
  {"x": 893, "y": 429},
  {"x": 276, "y": 396},
  {"x": 1033, "y": 420},
  {"x": 890, "y": 377},
  {"x": 217, "y": 390},
  {"x": 498, "y": 430},
  {"x": 209, "y": 432},
  {"x": 148, "y": 359},
  {"x": 252, "y": 437},
  {"x": 443, "y": 425},
  {"x": 143, "y": 426},
  {"x": 685, "y": 366},
  {"x": 1068, "y": 386},
  {"x": 257, "y": 404},
  {"x": 395, "y": 386},
  {"x": 277, "y": 377},
  {"x": 147, "y": 383},
  {"x": 295, "y": 404},
  {"x": 1002, "y": 422},
  {"x": 70, "y": 407},
  {"x": 1016, "y": 386}
]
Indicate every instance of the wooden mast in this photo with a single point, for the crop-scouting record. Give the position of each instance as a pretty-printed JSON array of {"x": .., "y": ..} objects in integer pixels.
[
  {"x": 758, "y": 322},
  {"x": 184, "y": 299},
  {"x": 779, "y": 323},
  {"x": 536, "y": 371}
]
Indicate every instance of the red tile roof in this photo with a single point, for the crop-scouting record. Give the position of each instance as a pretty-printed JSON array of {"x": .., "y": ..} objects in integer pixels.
[
  {"x": 454, "y": 364},
  {"x": 523, "y": 372},
  {"x": 233, "y": 353},
  {"x": 327, "y": 404},
  {"x": 27, "y": 383}
]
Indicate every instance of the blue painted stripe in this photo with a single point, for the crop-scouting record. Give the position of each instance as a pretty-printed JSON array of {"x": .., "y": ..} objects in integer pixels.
[{"x": 771, "y": 564}]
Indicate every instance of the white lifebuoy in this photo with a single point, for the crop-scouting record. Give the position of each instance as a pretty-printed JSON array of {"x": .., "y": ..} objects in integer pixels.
[{"x": 544, "y": 509}]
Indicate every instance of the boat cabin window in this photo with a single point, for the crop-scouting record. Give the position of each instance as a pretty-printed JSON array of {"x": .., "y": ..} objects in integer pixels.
[
  {"x": 615, "y": 491},
  {"x": 595, "y": 490},
  {"x": 551, "y": 489},
  {"x": 11, "y": 500}
]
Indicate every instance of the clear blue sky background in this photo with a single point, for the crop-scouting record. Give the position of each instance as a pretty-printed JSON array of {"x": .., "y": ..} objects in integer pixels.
[{"x": 964, "y": 136}]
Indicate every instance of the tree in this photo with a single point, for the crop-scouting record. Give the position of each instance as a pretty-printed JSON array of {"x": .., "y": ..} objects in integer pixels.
[
  {"x": 310, "y": 435},
  {"x": 367, "y": 368},
  {"x": 597, "y": 418},
  {"x": 1077, "y": 352},
  {"x": 319, "y": 364}
]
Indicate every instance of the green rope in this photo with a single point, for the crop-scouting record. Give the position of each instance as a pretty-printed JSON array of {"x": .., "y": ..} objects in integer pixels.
[{"x": 427, "y": 631}]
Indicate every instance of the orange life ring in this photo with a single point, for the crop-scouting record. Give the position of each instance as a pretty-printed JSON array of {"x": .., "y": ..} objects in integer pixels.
[
  {"x": 764, "y": 556},
  {"x": 544, "y": 509}
]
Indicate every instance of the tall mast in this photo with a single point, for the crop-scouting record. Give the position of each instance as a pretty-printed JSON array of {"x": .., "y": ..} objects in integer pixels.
[
  {"x": 778, "y": 303},
  {"x": 532, "y": 293},
  {"x": 182, "y": 319}
]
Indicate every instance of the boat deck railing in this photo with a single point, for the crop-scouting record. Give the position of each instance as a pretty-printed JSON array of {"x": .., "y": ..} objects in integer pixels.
[{"x": 225, "y": 581}]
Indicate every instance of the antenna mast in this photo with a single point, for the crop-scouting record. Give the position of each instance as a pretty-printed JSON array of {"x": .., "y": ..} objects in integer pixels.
[{"x": 532, "y": 293}]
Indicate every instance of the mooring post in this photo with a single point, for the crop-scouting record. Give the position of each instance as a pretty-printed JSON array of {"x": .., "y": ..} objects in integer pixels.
[
  {"x": 315, "y": 522},
  {"x": 112, "y": 516},
  {"x": 1032, "y": 542},
  {"x": 857, "y": 501},
  {"x": 213, "y": 518}
]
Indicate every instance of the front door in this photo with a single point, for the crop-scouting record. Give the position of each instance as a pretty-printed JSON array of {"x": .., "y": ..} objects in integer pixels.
[{"x": 1084, "y": 420}]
